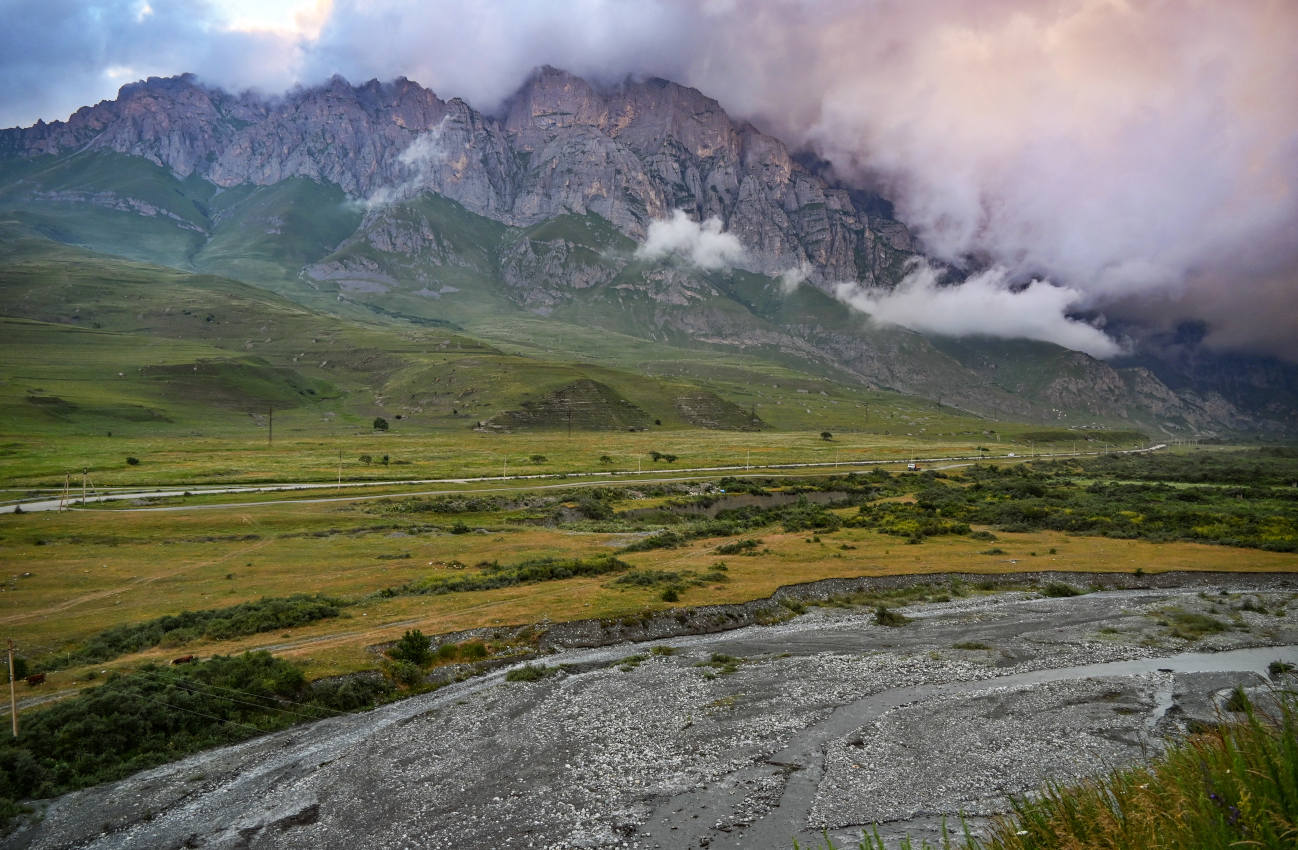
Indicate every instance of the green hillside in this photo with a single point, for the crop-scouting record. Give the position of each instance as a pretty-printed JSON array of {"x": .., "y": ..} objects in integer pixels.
[{"x": 96, "y": 343}]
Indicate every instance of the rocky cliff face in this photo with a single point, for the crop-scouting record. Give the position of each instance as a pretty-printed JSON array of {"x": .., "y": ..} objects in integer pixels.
[
  {"x": 629, "y": 154},
  {"x": 566, "y": 180}
]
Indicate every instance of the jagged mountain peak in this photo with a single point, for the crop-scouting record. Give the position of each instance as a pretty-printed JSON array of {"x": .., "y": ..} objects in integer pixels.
[{"x": 587, "y": 166}]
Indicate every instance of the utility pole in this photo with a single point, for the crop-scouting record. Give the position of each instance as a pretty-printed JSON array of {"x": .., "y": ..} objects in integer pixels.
[
  {"x": 13, "y": 697},
  {"x": 340, "y": 467},
  {"x": 85, "y": 474},
  {"x": 270, "y": 425},
  {"x": 504, "y": 468}
]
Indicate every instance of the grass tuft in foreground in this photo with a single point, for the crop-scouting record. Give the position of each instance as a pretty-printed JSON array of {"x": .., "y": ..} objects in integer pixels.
[{"x": 1233, "y": 786}]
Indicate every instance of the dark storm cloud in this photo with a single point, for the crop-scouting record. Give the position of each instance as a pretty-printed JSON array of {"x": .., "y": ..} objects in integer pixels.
[{"x": 1142, "y": 154}]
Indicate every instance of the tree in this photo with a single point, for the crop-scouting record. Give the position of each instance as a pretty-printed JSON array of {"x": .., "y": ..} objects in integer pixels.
[
  {"x": 380, "y": 424},
  {"x": 825, "y": 435},
  {"x": 412, "y": 647},
  {"x": 605, "y": 460}
]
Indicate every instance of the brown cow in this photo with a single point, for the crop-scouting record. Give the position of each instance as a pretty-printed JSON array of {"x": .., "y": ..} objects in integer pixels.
[
  {"x": 36, "y": 679},
  {"x": 185, "y": 659}
]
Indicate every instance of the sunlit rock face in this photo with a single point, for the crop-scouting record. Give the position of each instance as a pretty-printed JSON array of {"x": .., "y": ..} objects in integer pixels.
[{"x": 630, "y": 153}]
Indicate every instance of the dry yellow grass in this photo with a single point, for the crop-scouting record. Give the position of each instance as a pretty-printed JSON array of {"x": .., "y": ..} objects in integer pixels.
[{"x": 97, "y": 570}]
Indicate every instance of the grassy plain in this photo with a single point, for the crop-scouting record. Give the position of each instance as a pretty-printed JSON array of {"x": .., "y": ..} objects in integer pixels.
[{"x": 92, "y": 570}]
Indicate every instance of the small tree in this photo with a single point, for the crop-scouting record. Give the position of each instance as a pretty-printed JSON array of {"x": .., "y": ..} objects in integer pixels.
[
  {"x": 538, "y": 458},
  {"x": 605, "y": 459},
  {"x": 132, "y": 461},
  {"x": 825, "y": 435},
  {"x": 380, "y": 424},
  {"x": 412, "y": 647}
]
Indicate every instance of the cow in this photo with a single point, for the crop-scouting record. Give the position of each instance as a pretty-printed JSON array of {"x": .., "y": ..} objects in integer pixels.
[
  {"x": 35, "y": 679},
  {"x": 185, "y": 659}
]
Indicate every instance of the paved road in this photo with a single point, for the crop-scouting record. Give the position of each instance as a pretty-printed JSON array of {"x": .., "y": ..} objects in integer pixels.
[{"x": 54, "y": 504}]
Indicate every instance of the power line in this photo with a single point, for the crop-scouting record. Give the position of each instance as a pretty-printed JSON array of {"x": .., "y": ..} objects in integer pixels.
[
  {"x": 199, "y": 687},
  {"x": 256, "y": 729}
]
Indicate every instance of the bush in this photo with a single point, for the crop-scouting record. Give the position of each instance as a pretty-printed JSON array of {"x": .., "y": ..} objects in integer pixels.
[
  {"x": 530, "y": 673},
  {"x": 413, "y": 647},
  {"x": 380, "y": 424},
  {"x": 739, "y": 547},
  {"x": 132, "y": 461},
  {"x": 1058, "y": 589},
  {"x": 159, "y": 714},
  {"x": 1231, "y": 786},
  {"x": 265, "y": 615},
  {"x": 885, "y": 616},
  {"x": 406, "y": 673}
]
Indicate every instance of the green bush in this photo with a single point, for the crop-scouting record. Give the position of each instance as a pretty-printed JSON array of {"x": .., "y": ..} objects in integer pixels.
[
  {"x": 160, "y": 714},
  {"x": 413, "y": 648},
  {"x": 885, "y": 616},
  {"x": 265, "y": 615},
  {"x": 530, "y": 673}
]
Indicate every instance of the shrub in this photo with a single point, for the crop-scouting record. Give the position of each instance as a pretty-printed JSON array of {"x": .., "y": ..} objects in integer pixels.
[
  {"x": 739, "y": 547},
  {"x": 158, "y": 714},
  {"x": 530, "y": 673},
  {"x": 132, "y": 461},
  {"x": 413, "y": 647},
  {"x": 1230, "y": 786},
  {"x": 380, "y": 424},
  {"x": 249, "y": 618},
  {"x": 1059, "y": 590},
  {"x": 406, "y": 673},
  {"x": 885, "y": 616}
]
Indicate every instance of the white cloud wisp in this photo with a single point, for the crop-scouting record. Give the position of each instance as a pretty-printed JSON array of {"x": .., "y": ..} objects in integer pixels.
[
  {"x": 984, "y": 305},
  {"x": 703, "y": 244}
]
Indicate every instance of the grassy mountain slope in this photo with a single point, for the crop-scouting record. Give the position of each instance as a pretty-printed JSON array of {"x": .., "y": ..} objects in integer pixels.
[
  {"x": 96, "y": 343},
  {"x": 568, "y": 288}
]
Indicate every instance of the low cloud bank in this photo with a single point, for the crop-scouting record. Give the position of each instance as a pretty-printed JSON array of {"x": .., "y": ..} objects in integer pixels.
[
  {"x": 790, "y": 279},
  {"x": 984, "y": 305},
  {"x": 424, "y": 154},
  {"x": 703, "y": 244}
]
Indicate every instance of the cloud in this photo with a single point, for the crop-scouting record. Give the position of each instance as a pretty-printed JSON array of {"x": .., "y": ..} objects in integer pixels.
[
  {"x": 420, "y": 158},
  {"x": 790, "y": 279},
  {"x": 703, "y": 244},
  {"x": 59, "y": 55},
  {"x": 983, "y": 305},
  {"x": 1138, "y": 151}
]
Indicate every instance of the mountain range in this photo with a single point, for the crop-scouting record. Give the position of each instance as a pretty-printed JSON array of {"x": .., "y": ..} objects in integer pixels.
[{"x": 525, "y": 231}]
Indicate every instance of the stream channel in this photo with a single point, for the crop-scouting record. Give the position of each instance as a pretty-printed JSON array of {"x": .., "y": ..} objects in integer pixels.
[{"x": 828, "y": 721}]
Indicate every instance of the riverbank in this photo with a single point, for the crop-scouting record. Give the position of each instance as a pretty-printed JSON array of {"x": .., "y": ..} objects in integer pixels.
[{"x": 745, "y": 737}]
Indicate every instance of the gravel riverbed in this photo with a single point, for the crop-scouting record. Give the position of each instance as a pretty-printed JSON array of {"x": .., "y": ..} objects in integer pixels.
[{"x": 827, "y": 721}]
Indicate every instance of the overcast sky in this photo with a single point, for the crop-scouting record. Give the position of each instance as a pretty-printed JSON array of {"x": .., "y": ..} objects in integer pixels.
[{"x": 1142, "y": 154}]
